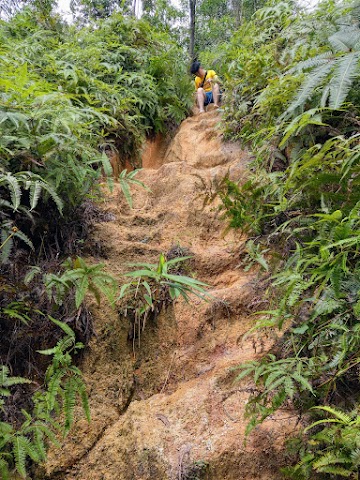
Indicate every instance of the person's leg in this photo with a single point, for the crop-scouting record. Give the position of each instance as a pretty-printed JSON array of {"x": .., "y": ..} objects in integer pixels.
[
  {"x": 200, "y": 95},
  {"x": 216, "y": 94}
]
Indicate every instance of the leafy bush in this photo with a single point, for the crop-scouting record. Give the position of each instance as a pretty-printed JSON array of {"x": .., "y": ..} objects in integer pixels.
[
  {"x": 69, "y": 96},
  {"x": 63, "y": 382},
  {"x": 334, "y": 450},
  {"x": 83, "y": 278},
  {"x": 285, "y": 97}
]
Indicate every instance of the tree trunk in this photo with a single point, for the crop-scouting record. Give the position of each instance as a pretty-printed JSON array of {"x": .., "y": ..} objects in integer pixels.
[
  {"x": 238, "y": 12},
  {"x": 192, "y": 5}
]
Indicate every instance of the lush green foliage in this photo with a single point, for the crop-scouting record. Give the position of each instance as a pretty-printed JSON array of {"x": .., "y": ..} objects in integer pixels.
[
  {"x": 11, "y": 203},
  {"x": 70, "y": 95},
  {"x": 82, "y": 278},
  {"x": 288, "y": 80},
  {"x": 63, "y": 382},
  {"x": 66, "y": 94},
  {"x": 333, "y": 450}
]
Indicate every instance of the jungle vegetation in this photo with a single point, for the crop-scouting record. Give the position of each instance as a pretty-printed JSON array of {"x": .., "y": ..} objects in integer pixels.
[
  {"x": 292, "y": 87},
  {"x": 73, "y": 94}
]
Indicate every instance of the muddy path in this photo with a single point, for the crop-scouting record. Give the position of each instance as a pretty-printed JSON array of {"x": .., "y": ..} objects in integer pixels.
[{"x": 174, "y": 411}]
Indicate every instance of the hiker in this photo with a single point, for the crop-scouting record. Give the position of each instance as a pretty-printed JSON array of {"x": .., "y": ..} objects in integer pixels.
[{"x": 206, "y": 85}]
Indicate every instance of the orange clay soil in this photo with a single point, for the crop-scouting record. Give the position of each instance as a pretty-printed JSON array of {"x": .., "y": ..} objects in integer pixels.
[{"x": 174, "y": 411}]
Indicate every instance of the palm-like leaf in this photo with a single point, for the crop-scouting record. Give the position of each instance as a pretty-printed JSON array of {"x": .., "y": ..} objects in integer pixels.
[
  {"x": 346, "y": 70},
  {"x": 308, "y": 87},
  {"x": 334, "y": 73}
]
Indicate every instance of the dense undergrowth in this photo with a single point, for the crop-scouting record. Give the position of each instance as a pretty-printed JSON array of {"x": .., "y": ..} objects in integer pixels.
[
  {"x": 292, "y": 95},
  {"x": 70, "y": 97}
]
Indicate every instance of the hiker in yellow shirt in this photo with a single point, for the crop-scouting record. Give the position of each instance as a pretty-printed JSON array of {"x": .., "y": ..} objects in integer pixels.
[{"x": 206, "y": 85}]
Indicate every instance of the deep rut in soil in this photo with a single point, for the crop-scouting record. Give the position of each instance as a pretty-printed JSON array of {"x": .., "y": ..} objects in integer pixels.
[{"x": 174, "y": 411}]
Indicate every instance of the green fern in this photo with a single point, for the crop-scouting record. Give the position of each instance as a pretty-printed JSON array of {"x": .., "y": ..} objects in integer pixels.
[
  {"x": 7, "y": 381},
  {"x": 28, "y": 181},
  {"x": 277, "y": 381},
  {"x": 17, "y": 445},
  {"x": 334, "y": 449},
  {"x": 15, "y": 184},
  {"x": 63, "y": 386},
  {"x": 347, "y": 70},
  {"x": 84, "y": 279},
  {"x": 339, "y": 69},
  {"x": 63, "y": 379}
]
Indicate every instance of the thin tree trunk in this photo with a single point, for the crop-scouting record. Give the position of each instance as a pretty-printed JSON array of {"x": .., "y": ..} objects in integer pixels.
[
  {"x": 192, "y": 5},
  {"x": 238, "y": 12}
]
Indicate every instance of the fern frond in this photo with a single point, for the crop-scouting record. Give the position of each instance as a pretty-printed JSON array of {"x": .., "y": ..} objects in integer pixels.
[
  {"x": 313, "y": 62},
  {"x": 7, "y": 381},
  {"x": 333, "y": 470},
  {"x": 19, "y": 234},
  {"x": 35, "y": 191},
  {"x": 345, "y": 39},
  {"x": 330, "y": 458},
  {"x": 340, "y": 415},
  {"x": 307, "y": 89},
  {"x": 70, "y": 389},
  {"x": 106, "y": 164},
  {"x": 53, "y": 195},
  {"x": 14, "y": 189},
  {"x": 4, "y": 469},
  {"x": 54, "y": 386},
  {"x": 39, "y": 443},
  {"x": 64, "y": 327},
  {"x": 303, "y": 382},
  {"x": 337, "y": 42},
  {"x": 347, "y": 68},
  {"x": 34, "y": 270},
  {"x": 20, "y": 447},
  {"x": 355, "y": 456}
]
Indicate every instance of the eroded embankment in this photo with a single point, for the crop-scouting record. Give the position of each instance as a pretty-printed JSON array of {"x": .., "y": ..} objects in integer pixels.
[{"x": 174, "y": 412}]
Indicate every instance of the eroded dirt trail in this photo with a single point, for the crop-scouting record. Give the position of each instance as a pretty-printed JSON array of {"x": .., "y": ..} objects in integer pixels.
[{"x": 174, "y": 412}]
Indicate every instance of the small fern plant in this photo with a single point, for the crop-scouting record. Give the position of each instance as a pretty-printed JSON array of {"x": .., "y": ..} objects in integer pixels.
[
  {"x": 6, "y": 382},
  {"x": 29, "y": 441},
  {"x": 63, "y": 384},
  {"x": 12, "y": 186},
  {"x": 276, "y": 382},
  {"x": 335, "y": 449},
  {"x": 14, "y": 444},
  {"x": 63, "y": 380},
  {"x": 84, "y": 278}
]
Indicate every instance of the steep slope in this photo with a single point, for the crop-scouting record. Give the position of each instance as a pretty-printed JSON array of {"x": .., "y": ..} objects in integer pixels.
[{"x": 173, "y": 411}]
